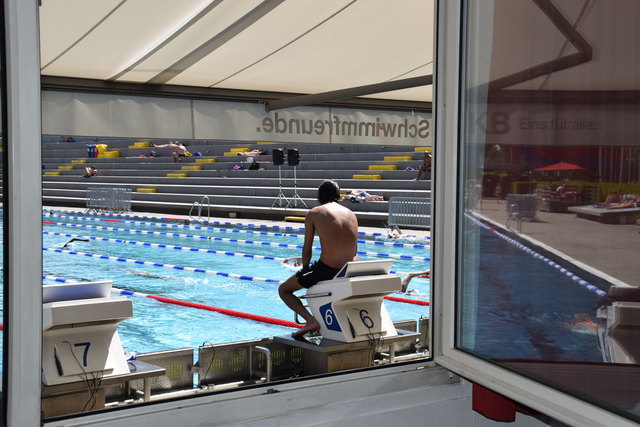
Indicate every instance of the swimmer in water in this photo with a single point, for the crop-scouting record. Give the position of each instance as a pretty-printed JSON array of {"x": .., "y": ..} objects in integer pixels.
[
  {"x": 407, "y": 279},
  {"x": 75, "y": 239}
]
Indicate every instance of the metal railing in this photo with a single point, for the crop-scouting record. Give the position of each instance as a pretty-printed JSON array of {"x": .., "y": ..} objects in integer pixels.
[
  {"x": 410, "y": 212},
  {"x": 101, "y": 199}
]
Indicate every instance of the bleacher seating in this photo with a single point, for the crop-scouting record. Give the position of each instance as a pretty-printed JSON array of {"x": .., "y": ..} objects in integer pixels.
[{"x": 164, "y": 185}]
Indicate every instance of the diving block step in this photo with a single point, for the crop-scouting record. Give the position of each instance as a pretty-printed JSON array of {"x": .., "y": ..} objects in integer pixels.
[
  {"x": 192, "y": 168},
  {"x": 177, "y": 175},
  {"x": 383, "y": 167},
  {"x": 146, "y": 190},
  {"x": 397, "y": 158},
  {"x": 367, "y": 177}
]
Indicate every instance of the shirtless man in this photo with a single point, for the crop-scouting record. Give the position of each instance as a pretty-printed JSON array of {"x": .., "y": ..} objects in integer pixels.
[{"x": 337, "y": 228}]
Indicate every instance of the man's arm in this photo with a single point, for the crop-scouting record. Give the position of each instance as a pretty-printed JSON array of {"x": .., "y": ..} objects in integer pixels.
[{"x": 309, "y": 234}]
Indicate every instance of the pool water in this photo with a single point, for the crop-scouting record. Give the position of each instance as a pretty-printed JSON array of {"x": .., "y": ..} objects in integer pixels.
[
  {"x": 528, "y": 309},
  {"x": 159, "y": 326},
  {"x": 525, "y": 307}
]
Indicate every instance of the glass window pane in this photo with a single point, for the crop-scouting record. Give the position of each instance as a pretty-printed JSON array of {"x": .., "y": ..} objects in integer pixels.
[{"x": 551, "y": 168}]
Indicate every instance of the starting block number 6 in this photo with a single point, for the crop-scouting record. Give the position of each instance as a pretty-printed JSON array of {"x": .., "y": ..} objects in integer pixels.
[
  {"x": 329, "y": 318},
  {"x": 367, "y": 321}
]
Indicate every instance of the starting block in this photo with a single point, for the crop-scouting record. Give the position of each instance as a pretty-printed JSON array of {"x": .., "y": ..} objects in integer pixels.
[
  {"x": 350, "y": 306},
  {"x": 80, "y": 336}
]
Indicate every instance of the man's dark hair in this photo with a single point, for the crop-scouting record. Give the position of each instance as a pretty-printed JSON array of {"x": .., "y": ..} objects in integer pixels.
[{"x": 328, "y": 192}]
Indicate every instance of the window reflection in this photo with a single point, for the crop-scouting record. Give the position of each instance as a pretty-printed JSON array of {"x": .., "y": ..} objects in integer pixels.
[{"x": 549, "y": 230}]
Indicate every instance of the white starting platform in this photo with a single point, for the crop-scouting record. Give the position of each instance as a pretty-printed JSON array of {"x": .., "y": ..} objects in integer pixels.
[
  {"x": 353, "y": 319},
  {"x": 81, "y": 348},
  {"x": 350, "y": 307}
]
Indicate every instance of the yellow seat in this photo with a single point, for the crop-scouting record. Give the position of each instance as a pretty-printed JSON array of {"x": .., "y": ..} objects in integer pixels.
[
  {"x": 109, "y": 155},
  {"x": 192, "y": 168},
  {"x": 65, "y": 168},
  {"x": 422, "y": 149},
  {"x": 141, "y": 144},
  {"x": 205, "y": 160},
  {"x": 239, "y": 150},
  {"x": 397, "y": 158},
  {"x": 383, "y": 167},
  {"x": 177, "y": 175},
  {"x": 294, "y": 218},
  {"x": 147, "y": 190},
  {"x": 79, "y": 161},
  {"x": 367, "y": 176},
  {"x": 52, "y": 173}
]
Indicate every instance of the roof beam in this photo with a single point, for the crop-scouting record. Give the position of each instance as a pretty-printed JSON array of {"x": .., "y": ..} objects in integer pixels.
[{"x": 337, "y": 95}]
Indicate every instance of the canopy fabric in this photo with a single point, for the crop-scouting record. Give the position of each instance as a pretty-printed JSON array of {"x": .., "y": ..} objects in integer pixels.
[
  {"x": 560, "y": 166},
  {"x": 291, "y": 46}
]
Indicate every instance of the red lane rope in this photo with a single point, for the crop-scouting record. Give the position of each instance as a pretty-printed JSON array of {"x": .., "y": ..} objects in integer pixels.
[
  {"x": 407, "y": 300},
  {"x": 256, "y": 317}
]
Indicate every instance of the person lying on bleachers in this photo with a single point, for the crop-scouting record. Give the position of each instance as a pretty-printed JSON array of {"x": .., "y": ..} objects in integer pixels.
[
  {"x": 360, "y": 196},
  {"x": 252, "y": 153},
  {"x": 90, "y": 171}
]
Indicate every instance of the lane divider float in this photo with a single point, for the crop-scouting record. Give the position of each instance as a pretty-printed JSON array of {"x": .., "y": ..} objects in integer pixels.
[
  {"x": 225, "y": 230},
  {"x": 281, "y": 245},
  {"x": 226, "y": 223},
  {"x": 162, "y": 265}
]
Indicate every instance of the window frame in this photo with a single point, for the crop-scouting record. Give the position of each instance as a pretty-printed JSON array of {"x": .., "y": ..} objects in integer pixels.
[
  {"x": 448, "y": 113},
  {"x": 23, "y": 216}
]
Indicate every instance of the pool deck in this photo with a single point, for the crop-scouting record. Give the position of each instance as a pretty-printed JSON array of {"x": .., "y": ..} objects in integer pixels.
[{"x": 613, "y": 249}]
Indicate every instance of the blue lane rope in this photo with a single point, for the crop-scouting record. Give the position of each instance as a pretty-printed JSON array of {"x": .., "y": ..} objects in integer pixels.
[
  {"x": 154, "y": 219},
  {"x": 163, "y": 246},
  {"x": 259, "y": 243},
  {"x": 541, "y": 257},
  {"x": 162, "y": 265},
  {"x": 225, "y": 230}
]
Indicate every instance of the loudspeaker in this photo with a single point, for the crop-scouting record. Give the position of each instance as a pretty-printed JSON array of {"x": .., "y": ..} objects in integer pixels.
[
  {"x": 293, "y": 157},
  {"x": 278, "y": 156}
]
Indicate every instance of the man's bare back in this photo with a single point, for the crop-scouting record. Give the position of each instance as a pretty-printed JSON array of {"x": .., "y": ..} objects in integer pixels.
[{"x": 337, "y": 228}]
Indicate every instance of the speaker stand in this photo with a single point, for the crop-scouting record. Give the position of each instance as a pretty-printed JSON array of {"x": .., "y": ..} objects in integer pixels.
[
  {"x": 295, "y": 198},
  {"x": 280, "y": 199}
]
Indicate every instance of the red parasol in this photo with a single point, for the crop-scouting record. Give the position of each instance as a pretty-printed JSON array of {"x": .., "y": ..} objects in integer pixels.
[{"x": 561, "y": 166}]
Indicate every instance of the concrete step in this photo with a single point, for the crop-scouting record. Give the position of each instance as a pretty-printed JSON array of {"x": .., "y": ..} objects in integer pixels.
[
  {"x": 253, "y": 174},
  {"x": 221, "y": 200},
  {"x": 243, "y": 181},
  {"x": 264, "y": 191}
]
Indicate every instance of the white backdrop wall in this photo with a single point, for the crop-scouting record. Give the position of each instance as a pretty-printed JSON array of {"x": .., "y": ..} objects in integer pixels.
[{"x": 87, "y": 114}]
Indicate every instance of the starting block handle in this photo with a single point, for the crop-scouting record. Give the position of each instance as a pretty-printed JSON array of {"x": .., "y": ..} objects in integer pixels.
[{"x": 322, "y": 294}]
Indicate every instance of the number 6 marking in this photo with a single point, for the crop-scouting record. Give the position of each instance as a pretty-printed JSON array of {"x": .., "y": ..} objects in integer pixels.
[
  {"x": 86, "y": 351},
  {"x": 366, "y": 320},
  {"x": 328, "y": 317}
]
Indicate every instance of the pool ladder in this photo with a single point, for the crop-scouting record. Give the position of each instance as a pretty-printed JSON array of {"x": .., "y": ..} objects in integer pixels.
[{"x": 199, "y": 205}]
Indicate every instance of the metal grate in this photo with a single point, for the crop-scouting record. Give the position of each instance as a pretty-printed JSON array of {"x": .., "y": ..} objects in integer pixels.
[
  {"x": 101, "y": 199},
  {"x": 410, "y": 212}
]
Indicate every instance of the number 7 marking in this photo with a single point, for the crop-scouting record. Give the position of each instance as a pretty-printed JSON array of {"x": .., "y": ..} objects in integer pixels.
[{"x": 86, "y": 351}]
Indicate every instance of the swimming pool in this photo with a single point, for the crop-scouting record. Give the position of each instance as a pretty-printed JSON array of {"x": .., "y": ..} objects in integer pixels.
[
  {"x": 219, "y": 265},
  {"x": 535, "y": 316}
]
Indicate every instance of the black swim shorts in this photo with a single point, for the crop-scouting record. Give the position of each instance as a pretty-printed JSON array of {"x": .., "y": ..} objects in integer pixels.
[{"x": 317, "y": 272}]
